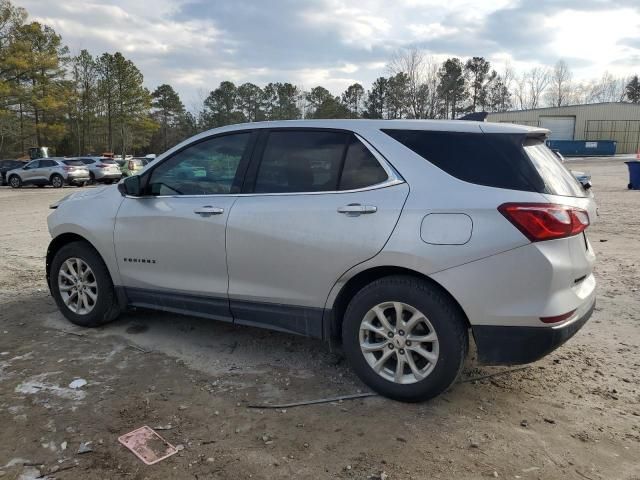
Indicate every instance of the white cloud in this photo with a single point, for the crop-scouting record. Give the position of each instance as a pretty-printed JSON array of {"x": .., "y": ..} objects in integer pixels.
[{"x": 195, "y": 44}]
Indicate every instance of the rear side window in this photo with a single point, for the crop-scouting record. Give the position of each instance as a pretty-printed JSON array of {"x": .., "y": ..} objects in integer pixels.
[
  {"x": 361, "y": 169},
  {"x": 47, "y": 163},
  {"x": 301, "y": 161},
  {"x": 495, "y": 160}
]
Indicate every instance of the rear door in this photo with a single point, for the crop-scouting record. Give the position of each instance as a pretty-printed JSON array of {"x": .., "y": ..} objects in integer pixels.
[{"x": 315, "y": 204}]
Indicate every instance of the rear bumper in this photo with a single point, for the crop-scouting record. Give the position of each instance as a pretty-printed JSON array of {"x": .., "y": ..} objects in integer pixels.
[
  {"x": 508, "y": 345},
  {"x": 77, "y": 179}
]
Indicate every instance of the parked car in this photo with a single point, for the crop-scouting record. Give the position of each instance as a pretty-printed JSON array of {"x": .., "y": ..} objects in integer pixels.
[
  {"x": 6, "y": 165},
  {"x": 102, "y": 170},
  {"x": 131, "y": 166},
  {"x": 49, "y": 171},
  {"x": 582, "y": 177},
  {"x": 399, "y": 239}
]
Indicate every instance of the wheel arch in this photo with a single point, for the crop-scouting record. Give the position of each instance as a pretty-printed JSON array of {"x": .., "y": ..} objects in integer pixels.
[
  {"x": 335, "y": 312},
  {"x": 68, "y": 237}
]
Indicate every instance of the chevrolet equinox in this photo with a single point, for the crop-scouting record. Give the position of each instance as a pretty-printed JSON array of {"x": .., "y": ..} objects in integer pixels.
[{"x": 399, "y": 239}]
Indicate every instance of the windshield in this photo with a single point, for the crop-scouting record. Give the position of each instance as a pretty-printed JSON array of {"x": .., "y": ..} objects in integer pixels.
[{"x": 558, "y": 180}]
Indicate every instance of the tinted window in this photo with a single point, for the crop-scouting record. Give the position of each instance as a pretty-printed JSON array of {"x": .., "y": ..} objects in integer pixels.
[
  {"x": 558, "y": 180},
  {"x": 32, "y": 164},
  {"x": 88, "y": 161},
  {"x": 73, "y": 163},
  {"x": 206, "y": 168},
  {"x": 301, "y": 161},
  {"x": 495, "y": 160},
  {"x": 47, "y": 163},
  {"x": 361, "y": 169}
]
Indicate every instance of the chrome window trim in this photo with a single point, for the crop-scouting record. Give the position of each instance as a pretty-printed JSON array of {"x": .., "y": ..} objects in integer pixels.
[{"x": 393, "y": 178}]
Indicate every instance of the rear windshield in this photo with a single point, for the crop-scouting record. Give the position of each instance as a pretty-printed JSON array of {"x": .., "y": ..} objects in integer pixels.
[
  {"x": 509, "y": 161},
  {"x": 558, "y": 180},
  {"x": 74, "y": 163}
]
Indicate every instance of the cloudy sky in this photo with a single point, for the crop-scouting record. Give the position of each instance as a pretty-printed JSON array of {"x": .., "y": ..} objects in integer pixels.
[{"x": 194, "y": 44}]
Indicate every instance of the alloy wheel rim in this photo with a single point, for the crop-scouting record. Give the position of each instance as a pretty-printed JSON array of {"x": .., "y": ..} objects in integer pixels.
[
  {"x": 57, "y": 182},
  {"x": 14, "y": 182},
  {"x": 399, "y": 342},
  {"x": 78, "y": 286}
]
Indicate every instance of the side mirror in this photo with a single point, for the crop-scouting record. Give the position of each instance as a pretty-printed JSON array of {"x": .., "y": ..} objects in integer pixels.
[{"x": 130, "y": 186}]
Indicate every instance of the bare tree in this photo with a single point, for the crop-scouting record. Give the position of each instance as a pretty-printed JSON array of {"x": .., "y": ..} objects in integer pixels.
[
  {"x": 422, "y": 72},
  {"x": 537, "y": 82},
  {"x": 521, "y": 92},
  {"x": 560, "y": 88}
]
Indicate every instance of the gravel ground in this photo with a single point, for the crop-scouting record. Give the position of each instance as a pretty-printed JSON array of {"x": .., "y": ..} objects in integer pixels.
[{"x": 572, "y": 415}]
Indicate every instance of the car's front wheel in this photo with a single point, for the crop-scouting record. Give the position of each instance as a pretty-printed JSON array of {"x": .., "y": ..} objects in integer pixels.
[
  {"x": 81, "y": 286},
  {"x": 405, "y": 338},
  {"x": 15, "y": 181},
  {"x": 57, "y": 181}
]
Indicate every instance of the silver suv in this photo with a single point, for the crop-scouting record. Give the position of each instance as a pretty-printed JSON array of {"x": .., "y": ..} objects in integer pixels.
[
  {"x": 102, "y": 169},
  {"x": 399, "y": 239},
  {"x": 49, "y": 171}
]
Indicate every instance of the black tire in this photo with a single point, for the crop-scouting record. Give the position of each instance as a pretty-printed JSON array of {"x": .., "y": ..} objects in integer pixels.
[
  {"x": 108, "y": 182},
  {"x": 92, "y": 178},
  {"x": 56, "y": 181},
  {"x": 15, "y": 181},
  {"x": 445, "y": 316},
  {"x": 106, "y": 308}
]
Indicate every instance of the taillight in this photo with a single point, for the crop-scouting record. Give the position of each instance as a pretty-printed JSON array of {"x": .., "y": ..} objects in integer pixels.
[
  {"x": 545, "y": 221},
  {"x": 68, "y": 169},
  {"x": 101, "y": 165}
]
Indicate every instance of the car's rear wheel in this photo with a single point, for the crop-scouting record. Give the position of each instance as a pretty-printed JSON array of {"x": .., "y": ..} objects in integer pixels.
[
  {"x": 405, "y": 338},
  {"x": 57, "y": 181},
  {"x": 82, "y": 287}
]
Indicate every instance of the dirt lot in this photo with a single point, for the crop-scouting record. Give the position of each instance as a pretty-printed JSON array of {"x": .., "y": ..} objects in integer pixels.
[{"x": 573, "y": 415}]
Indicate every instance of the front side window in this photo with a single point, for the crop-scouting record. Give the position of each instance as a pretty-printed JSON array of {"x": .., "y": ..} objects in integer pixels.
[
  {"x": 301, "y": 161},
  {"x": 206, "y": 168},
  {"x": 32, "y": 165}
]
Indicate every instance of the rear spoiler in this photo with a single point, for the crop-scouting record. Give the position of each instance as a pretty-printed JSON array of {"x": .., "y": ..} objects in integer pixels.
[{"x": 474, "y": 116}]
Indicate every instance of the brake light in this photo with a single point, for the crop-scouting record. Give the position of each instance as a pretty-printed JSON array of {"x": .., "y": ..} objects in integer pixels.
[
  {"x": 68, "y": 169},
  {"x": 545, "y": 221}
]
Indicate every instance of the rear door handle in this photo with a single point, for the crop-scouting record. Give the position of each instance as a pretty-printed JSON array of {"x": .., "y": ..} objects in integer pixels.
[
  {"x": 208, "y": 210},
  {"x": 355, "y": 209}
]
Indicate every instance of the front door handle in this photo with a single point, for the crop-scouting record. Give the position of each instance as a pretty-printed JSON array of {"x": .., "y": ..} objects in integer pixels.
[
  {"x": 208, "y": 210},
  {"x": 355, "y": 209}
]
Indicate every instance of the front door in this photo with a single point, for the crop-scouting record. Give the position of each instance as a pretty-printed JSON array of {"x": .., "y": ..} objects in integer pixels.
[
  {"x": 322, "y": 203},
  {"x": 170, "y": 243},
  {"x": 30, "y": 172}
]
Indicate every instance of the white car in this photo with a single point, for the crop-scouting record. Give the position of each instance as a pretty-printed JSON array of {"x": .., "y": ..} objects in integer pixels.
[{"x": 399, "y": 239}]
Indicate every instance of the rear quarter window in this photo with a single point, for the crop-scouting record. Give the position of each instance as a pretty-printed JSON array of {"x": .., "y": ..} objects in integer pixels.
[{"x": 509, "y": 161}]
